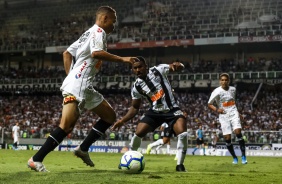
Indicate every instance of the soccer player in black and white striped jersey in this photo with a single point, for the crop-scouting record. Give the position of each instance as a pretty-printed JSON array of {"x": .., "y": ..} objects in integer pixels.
[{"x": 153, "y": 85}]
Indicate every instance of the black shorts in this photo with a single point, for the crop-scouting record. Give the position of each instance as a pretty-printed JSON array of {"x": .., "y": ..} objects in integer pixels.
[
  {"x": 199, "y": 142},
  {"x": 167, "y": 132},
  {"x": 154, "y": 120}
]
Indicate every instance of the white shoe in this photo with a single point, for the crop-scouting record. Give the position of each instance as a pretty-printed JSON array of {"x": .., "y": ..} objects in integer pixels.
[
  {"x": 83, "y": 155},
  {"x": 37, "y": 166}
]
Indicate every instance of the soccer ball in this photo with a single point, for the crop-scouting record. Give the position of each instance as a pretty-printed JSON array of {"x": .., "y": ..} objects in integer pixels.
[{"x": 132, "y": 162}]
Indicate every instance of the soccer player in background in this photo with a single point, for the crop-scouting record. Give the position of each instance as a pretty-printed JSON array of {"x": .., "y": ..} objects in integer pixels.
[
  {"x": 229, "y": 117},
  {"x": 214, "y": 139},
  {"x": 82, "y": 61},
  {"x": 15, "y": 135},
  {"x": 152, "y": 85},
  {"x": 165, "y": 139},
  {"x": 199, "y": 140}
]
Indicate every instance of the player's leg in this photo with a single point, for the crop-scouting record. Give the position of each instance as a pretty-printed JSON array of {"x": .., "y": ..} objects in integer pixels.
[
  {"x": 107, "y": 118},
  {"x": 167, "y": 142},
  {"x": 16, "y": 140},
  {"x": 230, "y": 148},
  {"x": 204, "y": 148},
  {"x": 226, "y": 130},
  {"x": 242, "y": 144},
  {"x": 70, "y": 114},
  {"x": 141, "y": 130},
  {"x": 158, "y": 143},
  {"x": 180, "y": 129},
  {"x": 197, "y": 146}
]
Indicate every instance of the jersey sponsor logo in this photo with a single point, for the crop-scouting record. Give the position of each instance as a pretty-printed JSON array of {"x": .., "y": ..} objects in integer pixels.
[
  {"x": 178, "y": 113},
  {"x": 157, "y": 95},
  {"x": 78, "y": 75}
]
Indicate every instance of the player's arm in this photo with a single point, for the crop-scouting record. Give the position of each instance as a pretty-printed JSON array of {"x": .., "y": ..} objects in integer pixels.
[
  {"x": 212, "y": 99},
  {"x": 67, "y": 58},
  {"x": 106, "y": 56},
  {"x": 133, "y": 110},
  {"x": 176, "y": 66}
]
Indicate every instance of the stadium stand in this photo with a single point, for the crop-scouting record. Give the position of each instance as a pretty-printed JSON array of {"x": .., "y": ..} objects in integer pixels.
[{"x": 33, "y": 25}]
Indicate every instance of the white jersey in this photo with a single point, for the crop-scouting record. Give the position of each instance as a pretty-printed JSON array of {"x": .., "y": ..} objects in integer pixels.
[
  {"x": 84, "y": 67},
  {"x": 225, "y": 99},
  {"x": 156, "y": 89},
  {"x": 222, "y": 96},
  {"x": 16, "y": 130}
]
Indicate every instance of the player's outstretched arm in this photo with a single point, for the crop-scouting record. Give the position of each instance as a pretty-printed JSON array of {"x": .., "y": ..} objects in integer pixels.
[
  {"x": 133, "y": 110},
  {"x": 176, "y": 66},
  {"x": 106, "y": 56}
]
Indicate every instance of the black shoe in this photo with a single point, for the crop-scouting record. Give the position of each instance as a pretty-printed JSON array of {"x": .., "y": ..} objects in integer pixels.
[
  {"x": 180, "y": 168},
  {"x": 119, "y": 166},
  {"x": 204, "y": 154},
  {"x": 193, "y": 153}
]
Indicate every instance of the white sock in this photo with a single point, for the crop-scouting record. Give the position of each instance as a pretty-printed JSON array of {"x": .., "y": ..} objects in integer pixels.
[
  {"x": 135, "y": 142},
  {"x": 157, "y": 143},
  {"x": 168, "y": 148},
  {"x": 181, "y": 147}
]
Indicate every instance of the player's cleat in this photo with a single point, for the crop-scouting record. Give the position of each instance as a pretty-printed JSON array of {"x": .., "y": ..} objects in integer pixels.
[
  {"x": 235, "y": 161},
  {"x": 148, "y": 151},
  {"x": 119, "y": 166},
  {"x": 244, "y": 160},
  {"x": 37, "y": 166},
  {"x": 180, "y": 168},
  {"x": 83, "y": 155},
  {"x": 193, "y": 153}
]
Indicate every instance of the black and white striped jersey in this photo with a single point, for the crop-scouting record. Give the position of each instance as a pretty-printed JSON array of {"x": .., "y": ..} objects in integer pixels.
[{"x": 156, "y": 89}]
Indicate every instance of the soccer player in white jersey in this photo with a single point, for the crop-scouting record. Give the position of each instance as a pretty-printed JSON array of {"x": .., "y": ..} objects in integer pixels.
[
  {"x": 165, "y": 139},
  {"x": 229, "y": 117},
  {"x": 214, "y": 139},
  {"x": 85, "y": 56},
  {"x": 15, "y": 134},
  {"x": 152, "y": 85}
]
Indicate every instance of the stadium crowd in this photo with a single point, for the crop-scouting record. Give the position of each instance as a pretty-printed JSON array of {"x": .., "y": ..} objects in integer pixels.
[
  {"x": 113, "y": 69},
  {"x": 39, "y": 115},
  {"x": 151, "y": 20}
]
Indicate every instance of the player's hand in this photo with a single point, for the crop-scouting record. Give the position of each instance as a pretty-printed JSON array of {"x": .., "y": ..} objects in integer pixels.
[
  {"x": 117, "y": 125},
  {"x": 177, "y": 66},
  {"x": 221, "y": 111},
  {"x": 130, "y": 60}
]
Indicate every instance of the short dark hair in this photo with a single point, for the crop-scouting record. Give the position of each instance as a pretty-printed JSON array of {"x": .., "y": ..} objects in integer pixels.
[
  {"x": 105, "y": 9},
  {"x": 140, "y": 58},
  {"x": 224, "y": 74}
]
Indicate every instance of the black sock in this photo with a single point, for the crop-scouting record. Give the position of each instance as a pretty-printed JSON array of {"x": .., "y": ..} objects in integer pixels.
[
  {"x": 242, "y": 144},
  {"x": 15, "y": 144},
  {"x": 54, "y": 139},
  {"x": 96, "y": 132},
  {"x": 230, "y": 148}
]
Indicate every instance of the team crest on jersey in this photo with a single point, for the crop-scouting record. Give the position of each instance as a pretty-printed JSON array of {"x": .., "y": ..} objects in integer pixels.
[
  {"x": 99, "y": 30},
  {"x": 78, "y": 75}
]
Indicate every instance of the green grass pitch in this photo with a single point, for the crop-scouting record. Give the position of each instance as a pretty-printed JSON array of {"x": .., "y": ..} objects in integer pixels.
[{"x": 159, "y": 169}]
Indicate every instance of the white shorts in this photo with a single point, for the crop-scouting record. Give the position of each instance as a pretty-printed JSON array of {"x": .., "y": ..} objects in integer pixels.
[
  {"x": 229, "y": 122},
  {"x": 91, "y": 99},
  {"x": 16, "y": 139}
]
